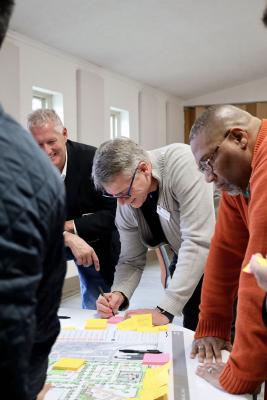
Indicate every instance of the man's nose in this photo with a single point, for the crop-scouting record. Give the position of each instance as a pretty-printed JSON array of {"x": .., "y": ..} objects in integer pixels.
[{"x": 46, "y": 148}]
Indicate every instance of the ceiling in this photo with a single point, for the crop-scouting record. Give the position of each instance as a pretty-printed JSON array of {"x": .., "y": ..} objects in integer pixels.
[{"x": 185, "y": 47}]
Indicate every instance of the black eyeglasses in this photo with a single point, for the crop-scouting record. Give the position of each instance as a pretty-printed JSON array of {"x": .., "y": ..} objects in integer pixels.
[
  {"x": 126, "y": 195},
  {"x": 206, "y": 166}
]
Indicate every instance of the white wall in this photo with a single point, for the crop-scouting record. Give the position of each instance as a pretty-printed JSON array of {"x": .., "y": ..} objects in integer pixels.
[
  {"x": 88, "y": 93},
  {"x": 10, "y": 79},
  {"x": 90, "y": 108},
  {"x": 122, "y": 94},
  {"x": 174, "y": 122},
  {"x": 161, "y": 119},
  {"x": 249, "y": 92}
]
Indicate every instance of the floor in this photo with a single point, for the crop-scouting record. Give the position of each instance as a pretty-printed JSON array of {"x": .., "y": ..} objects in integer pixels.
[{"x": 147, "y": 294}]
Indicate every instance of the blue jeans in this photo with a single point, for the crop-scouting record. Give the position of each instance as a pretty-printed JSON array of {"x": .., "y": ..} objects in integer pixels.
[{"x": 90, "y": 280}]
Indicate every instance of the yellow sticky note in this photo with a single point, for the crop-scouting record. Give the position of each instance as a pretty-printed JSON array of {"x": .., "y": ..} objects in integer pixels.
[
  {"x": 72, "y": 364},
  {"x": 163, "y": 327},
  {"x": 155, "y": 394},
  {"x": 247, "y": 269},
  {"x": 96, "y": 324},
  {"x": 142, "y": 320},
  {"x": 262, "y": 262},
  {"x": 151, "y": 329},
  {"x": 128, "y": 324},
  {"x": 154, "y": 380}
]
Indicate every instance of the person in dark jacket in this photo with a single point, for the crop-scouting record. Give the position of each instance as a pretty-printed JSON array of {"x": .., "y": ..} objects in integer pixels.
[
  {"x": 90, "y": 233},
  {"x": 32, "y": 265}
]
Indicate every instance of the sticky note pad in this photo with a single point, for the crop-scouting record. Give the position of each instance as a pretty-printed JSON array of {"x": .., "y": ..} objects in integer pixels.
[
  {"x": 96, "y": 324},
  {"x": 153, "y": 329},
  {"x": 156, "y": 394},
  {"x": 262, "y": 262},
  {"x": 142, "y": 320},
  {"x": 128, "y": 324},
  {"x": 247, "y": 269},
  {"x": 156, "y": 359},
  {"x": 72, "y": 364},
  {"x": 116, "y": 319}
]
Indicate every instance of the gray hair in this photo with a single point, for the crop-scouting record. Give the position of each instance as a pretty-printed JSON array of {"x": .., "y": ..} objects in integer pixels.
[
  {"x": 217, "y": 119},
  {"x": 115, "y": 157},
  {"x": 43, "y": 116}
]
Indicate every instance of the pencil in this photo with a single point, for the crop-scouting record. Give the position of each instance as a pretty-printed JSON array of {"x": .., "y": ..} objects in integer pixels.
[{"x": 105, "y": 297}]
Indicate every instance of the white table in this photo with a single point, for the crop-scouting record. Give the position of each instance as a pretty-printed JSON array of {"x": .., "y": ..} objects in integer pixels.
[{"x": 198, "y": 387}]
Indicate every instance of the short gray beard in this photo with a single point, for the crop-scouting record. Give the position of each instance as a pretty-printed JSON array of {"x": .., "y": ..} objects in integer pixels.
[{"x": 232, "y": 190}]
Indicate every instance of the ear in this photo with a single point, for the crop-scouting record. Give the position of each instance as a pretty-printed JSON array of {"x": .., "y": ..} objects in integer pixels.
[
  {"x": 240, "y": 137},
  {"x": 65, "y": 134},
  {"x": 145, "y": 167}
]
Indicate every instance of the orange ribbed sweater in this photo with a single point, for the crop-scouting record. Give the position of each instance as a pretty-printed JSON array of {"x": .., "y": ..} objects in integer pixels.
[{"x": 241, "y": 231}]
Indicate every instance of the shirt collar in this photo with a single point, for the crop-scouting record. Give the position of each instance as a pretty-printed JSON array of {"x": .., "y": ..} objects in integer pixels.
[{"x": 64, "y": 171}]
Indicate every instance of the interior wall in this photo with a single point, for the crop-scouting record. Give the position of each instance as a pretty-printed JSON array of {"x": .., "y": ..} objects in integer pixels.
[
  {"x": 88, "y": 93},
  {"x": 10, "y": 79},
  {"x": 174, "y": 122},
  {"x": 122, "y": 94},
  {"x": 249, "y": 92},
  {"x": 48, "y": 71},
  {"x": 90, "y": 108}
]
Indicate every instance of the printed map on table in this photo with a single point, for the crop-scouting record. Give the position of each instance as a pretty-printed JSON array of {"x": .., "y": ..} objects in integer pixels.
[{"x": 107, "y": 373}]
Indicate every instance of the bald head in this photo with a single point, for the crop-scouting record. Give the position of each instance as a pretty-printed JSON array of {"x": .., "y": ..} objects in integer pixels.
[
  {"x": 216, "y": 120},
  {"x": 222, "y": 140}
]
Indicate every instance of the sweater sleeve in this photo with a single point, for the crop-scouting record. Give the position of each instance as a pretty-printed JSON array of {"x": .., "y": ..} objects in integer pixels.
[
  {"x": 222, "y": 271},
  {"x": 247, "y": 365},
  {"x": 195, "y": 221},
  {"x": 132, "y": 259}
]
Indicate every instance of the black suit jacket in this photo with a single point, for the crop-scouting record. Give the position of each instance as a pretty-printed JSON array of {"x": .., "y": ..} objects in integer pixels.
[{"x": 97, "y": 228}]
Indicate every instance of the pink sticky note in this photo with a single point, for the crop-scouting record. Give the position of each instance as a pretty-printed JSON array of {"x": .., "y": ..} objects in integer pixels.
[
  {"x": 156, "y": 359},
  {"x": 116, "y": 319}
]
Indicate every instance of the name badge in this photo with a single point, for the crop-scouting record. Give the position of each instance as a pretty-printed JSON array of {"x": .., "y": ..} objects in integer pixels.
[{"x": 163, "y": 213}]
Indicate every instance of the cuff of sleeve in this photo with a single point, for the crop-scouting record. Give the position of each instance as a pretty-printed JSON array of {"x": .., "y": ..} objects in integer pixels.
[
  {"x": 125, "y": 303},
  {"x": 233, "y": 384},
  {"x": 214, "y": 328},
  {"x": 166, "y": 313}
]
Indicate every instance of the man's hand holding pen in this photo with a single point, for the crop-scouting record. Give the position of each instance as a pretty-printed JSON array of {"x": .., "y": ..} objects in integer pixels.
[{"x": 109, "y": 304}]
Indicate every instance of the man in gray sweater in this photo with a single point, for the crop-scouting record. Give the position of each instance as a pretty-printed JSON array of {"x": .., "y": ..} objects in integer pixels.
[{"x": 162, "y": 198}]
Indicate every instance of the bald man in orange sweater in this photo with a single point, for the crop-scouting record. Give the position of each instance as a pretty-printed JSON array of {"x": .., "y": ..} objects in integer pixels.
[{"x": 230, "y": 148}]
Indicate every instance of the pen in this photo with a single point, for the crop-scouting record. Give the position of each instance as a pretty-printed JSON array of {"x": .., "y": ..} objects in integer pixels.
[
  {"x": 63, "y": 317},
  {"x": 152, "y": 351},
  {"x": 105, "y": 297}
]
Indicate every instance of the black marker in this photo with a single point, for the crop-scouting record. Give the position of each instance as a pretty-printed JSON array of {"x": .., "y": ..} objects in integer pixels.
[
  {"x": 105, "y": 297},
  {"x": 131, "y": 351},
  {"x": 63, "y": 317}
]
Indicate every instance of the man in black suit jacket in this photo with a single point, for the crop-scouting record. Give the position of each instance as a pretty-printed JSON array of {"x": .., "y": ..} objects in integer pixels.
[{"x": 90, "y": 234}]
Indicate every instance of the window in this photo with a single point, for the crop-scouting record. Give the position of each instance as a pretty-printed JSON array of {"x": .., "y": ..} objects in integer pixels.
[
  {"x": 119, "y": 123},
  {"x": 44, "y": 98},
  {"x": 114, "y": 124},
  {"x": 41, "y": 100}
]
